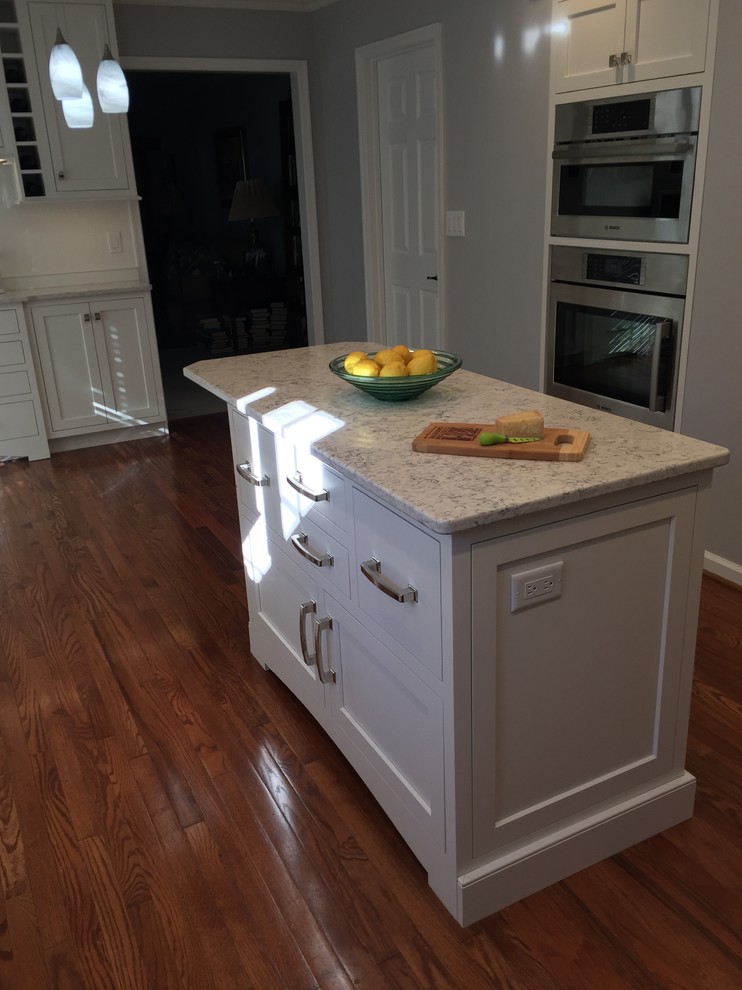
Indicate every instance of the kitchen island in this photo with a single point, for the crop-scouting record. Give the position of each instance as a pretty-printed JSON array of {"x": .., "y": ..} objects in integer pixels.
[{"x": 512, "y": 740}]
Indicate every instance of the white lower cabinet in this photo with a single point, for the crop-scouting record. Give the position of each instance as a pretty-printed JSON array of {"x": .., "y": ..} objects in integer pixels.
[
  {"x": 22, "y": 432},
  {"x": 99, "y": 365},
  {"x": 509, "y": 746}
]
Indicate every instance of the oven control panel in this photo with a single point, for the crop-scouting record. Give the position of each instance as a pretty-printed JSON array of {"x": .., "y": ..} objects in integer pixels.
[{"x": 628, "y": 269}]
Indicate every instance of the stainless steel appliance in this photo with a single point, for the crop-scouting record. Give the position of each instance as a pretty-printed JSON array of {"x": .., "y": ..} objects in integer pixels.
[
  {"x": 613, "y": 334},
  {"x": 624, "y": 166}
]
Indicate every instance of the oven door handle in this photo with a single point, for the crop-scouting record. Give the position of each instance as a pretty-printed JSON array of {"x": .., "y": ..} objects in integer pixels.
[
  {"x": 629, "y": 149},
  {"x": 662, "y": 331}
]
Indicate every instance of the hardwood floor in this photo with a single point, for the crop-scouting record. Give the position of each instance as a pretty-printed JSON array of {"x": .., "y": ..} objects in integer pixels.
[{"x": 171, "y": 818}]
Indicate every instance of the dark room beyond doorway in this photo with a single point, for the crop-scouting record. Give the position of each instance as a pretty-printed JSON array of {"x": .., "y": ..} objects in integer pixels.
[{"x": 226, "y": 270}]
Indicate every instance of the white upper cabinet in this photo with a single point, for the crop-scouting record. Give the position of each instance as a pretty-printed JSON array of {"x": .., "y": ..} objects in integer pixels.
[
  {"x": 605, "y": 42},
  {"x": 82, "y": 159}
]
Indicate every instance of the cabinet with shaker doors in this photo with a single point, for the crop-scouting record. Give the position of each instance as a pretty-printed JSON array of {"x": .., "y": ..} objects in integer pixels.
[{"x": 598, "y": 43}]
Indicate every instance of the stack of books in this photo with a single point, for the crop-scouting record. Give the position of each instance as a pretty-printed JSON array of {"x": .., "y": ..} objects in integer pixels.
[
  {"x": 211, "y": 330},
  {"x": 278, "y": 324},
  {"x": 260, "y": 326}
]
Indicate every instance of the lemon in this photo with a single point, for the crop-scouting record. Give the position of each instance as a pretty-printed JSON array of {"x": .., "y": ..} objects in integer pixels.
[
  {"x": 393, "y": 369},
  {"x": 423, "y": 362},
  {"x": 353, "y": 358},
  {"x": 384, "y": 357},
  {"x": 404, "y": 351},
  {"x": 365, "y": 368}
]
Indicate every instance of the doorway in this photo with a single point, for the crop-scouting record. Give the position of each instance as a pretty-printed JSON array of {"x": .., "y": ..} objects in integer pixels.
[
  {"x": 400, "y": 124},
  {"x": 226, "y": 277}
]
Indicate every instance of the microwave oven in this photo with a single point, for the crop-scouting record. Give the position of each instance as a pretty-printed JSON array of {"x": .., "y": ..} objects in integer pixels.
[{"x": 623, "y": 168}]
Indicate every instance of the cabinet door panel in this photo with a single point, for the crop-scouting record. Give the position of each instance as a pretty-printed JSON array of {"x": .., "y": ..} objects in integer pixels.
[
  {"x": 88, "y": 158},
  {"x": 588, "y": 33},
  {"x": 130, "y": 371},
  {"x": 277, "y": 588},
  {"x": 69, "y": 365},
  {"x": 666, "y": 37},
  {"x": 393, "y": 721}
]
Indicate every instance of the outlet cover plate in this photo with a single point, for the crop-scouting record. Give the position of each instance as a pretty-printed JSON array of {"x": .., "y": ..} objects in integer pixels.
[{"x": 540, "y": 584}]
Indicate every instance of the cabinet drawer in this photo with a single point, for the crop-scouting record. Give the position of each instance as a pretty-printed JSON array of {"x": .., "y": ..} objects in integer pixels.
[
  {"x": 320, "y": 491},
  {"x": 11, "y": 352},
  {"x": 393, "y": 554},
  {"x": 321, "y": 555},
  {"x": 256, "y": 471},
  {"x": 14, "y": 383},
  {"x": 9, "y": 321},
  {"x": 18, "y": 419}
]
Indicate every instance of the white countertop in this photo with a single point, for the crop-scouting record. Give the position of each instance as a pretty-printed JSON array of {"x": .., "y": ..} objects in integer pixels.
[
  {"x": 371, "y": 440},
  {"x": 38, "y": 293}
]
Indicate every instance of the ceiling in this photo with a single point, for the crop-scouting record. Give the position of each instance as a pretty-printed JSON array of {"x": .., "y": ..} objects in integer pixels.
[{"x": 300, "y": 5}]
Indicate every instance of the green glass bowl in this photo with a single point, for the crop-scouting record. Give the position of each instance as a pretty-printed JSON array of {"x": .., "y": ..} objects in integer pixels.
[{"x": 398, "y": 389}]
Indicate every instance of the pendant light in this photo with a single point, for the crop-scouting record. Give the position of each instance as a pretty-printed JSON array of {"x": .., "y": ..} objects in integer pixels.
[
  {"x": 79, "y": 113},
  {"x": 64, "y": 70},
  {"x": 113, "y": 93}
]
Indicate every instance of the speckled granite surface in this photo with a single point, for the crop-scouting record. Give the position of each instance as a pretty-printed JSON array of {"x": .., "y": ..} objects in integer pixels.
[
  {"x": 41, "y": 293},
  {"x": 371, "y": 440}
]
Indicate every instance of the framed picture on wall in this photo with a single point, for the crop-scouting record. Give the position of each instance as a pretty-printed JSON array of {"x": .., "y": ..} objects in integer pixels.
[{"x": 230, "y": 150}]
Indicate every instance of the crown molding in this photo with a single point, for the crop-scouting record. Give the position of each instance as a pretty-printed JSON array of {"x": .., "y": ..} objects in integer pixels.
[{"x": 294, "y": 5}]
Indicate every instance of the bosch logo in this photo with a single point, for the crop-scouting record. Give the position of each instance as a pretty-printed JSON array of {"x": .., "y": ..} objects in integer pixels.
[{"x": 613, "y": 226}]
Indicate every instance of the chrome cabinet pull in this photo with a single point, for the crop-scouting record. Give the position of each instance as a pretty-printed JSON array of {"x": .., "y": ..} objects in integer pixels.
[
  {"x": 305, "y": 609},
  {"x": 625, "y": 58},
  {"x": 320, "y": 625},
  {"x": 300, "y": 542},
  {"x": 245, "y": 472},
  {"x": 96, "y": 315},
  {"x": 614, "y": 60},
  {"x": 86, "y": 317},
  {"x": 298, "y": 485},
  {"x": 371, "y": 569}
]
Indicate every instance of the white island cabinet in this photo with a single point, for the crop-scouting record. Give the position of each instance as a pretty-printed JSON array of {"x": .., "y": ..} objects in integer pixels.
[{"x": 510, "y": 745}]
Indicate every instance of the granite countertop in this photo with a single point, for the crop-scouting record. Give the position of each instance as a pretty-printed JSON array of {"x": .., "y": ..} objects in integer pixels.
[
  {"x": 39, "y": 293},
  {"x": 294, "y": 393}
]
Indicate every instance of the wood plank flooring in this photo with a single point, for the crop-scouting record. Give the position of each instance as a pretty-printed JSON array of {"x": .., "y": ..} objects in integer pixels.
[{"x": 171, "y": 818}]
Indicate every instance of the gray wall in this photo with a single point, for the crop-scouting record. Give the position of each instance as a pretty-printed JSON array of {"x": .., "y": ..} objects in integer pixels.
[
  {"x": 495, "y": 129},
  {"x": 713, "y": 401}
]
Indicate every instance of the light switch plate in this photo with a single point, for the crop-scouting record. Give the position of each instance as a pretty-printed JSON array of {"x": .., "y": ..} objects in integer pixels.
[{"x": 455, "y": 223}]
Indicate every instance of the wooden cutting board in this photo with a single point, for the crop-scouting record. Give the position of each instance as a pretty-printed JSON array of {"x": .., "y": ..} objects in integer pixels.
[{"x": 462, "y": 438}]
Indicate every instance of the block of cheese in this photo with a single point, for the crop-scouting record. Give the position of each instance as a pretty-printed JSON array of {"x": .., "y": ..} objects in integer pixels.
[{"x": 521, "y": 424}]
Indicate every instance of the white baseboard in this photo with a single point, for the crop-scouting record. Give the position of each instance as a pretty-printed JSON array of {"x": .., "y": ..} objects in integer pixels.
[{"x": 722, "y": 568}]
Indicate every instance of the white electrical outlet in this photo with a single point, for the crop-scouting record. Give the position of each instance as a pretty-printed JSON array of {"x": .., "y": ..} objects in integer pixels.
[
  {"x": 538, "y": 585},
  {"x": 115, "y": 242}
]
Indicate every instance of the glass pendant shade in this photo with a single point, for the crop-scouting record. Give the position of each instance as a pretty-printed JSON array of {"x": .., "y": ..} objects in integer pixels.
[
  {"x": 65, "y": 73},
  {"x": 79, "y": 113},
  {"x": 113, "y": 93}
]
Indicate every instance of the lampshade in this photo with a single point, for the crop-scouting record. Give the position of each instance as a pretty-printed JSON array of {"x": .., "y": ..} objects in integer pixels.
[
  {"x": 79, "y": 113},
  {"x": 65, "y": 73},
  {"x": 113, "y": 93},
  {"x": 252, "y": 201}
]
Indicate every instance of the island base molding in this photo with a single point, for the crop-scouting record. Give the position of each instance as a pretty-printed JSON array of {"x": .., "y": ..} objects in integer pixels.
[{"x": 564, "y": 851}]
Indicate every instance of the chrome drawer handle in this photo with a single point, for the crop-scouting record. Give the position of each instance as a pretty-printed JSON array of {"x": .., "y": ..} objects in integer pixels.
[
  {"x": 244, "y": 472},
  {"x": 300, "y": 542},
  {"x": 305, "y": 609},
  {"x": 326, "y": 676},
  {"x": 298, "y": 486},
  {"x": 371, "y": 569}
]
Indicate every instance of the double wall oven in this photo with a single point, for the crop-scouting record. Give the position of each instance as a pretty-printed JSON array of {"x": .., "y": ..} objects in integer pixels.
[{"x": 623, "y": 170}]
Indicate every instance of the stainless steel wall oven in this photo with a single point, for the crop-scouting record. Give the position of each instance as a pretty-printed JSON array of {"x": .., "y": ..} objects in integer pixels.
[
  {"x": 624, "y": 166},
  {"x": 613, "y": 331}
]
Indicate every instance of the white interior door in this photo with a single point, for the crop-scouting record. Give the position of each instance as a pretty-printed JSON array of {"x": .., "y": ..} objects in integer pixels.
[
  {"x": 399, "y": 107},
  {"x": 408, "y": 147}
]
